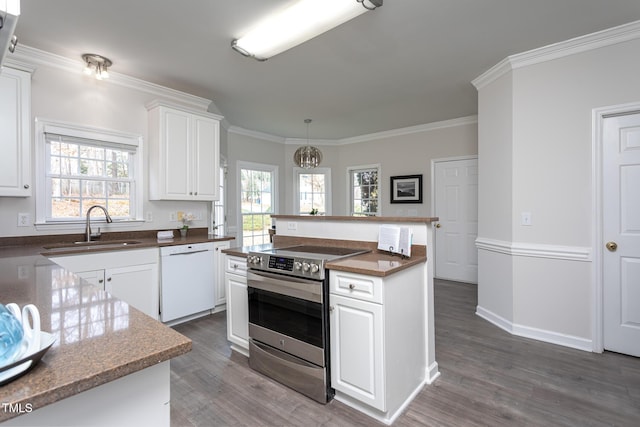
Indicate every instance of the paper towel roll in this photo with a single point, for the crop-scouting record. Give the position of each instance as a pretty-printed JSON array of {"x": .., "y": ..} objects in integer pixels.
[{"x": 164, "y": 235}]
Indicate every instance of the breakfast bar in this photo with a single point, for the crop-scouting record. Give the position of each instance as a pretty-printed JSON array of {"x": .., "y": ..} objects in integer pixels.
[{"x": 109, "y": 363}]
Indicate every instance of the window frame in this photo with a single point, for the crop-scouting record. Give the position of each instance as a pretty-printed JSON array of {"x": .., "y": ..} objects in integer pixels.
[
  {"x": 43, "y": 199},
  {"x": 296, "y": 188},
  {"x": 350, "y": 195},
  {"x": 263, "y": 167}
]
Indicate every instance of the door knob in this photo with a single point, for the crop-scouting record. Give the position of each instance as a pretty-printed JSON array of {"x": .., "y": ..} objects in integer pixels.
[
  {"x": 612, "y": 246},
  {"x": 438, "y": 225}
]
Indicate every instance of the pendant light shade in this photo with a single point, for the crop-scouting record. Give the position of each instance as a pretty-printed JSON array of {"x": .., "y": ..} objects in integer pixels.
[{"x": 307, "y": 157}]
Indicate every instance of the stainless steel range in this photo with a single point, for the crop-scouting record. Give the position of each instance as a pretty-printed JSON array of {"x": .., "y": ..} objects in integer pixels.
[{"x": 289, "y": 316}]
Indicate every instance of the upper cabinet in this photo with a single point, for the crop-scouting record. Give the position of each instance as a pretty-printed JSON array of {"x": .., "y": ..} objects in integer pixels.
[
  {"x": 184, "y": 153},
  {"x": 15, "y": 137}
]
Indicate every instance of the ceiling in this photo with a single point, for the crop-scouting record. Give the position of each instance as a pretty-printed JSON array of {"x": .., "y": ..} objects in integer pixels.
[{"x": 410, "y": 62}]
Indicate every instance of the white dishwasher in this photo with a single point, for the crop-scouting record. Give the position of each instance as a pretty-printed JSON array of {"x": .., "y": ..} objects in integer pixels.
[{"x": 187, "y": 282}]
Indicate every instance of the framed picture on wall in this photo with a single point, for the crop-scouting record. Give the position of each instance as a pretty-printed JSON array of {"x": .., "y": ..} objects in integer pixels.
[{"x": 406, "y": 189}]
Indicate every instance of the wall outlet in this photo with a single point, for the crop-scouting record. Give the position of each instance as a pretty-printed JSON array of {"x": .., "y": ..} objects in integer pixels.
[
  {"x": 173, "y": 216},
  {"x": 149, "y": 216},
  {"x": 24, "y": 220},
  {"x": 292, "y": 226},
  {"x": 525, "y": 218}
]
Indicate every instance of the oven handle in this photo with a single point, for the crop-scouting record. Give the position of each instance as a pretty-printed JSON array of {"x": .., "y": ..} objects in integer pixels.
[{"x": 308, "y": 290}]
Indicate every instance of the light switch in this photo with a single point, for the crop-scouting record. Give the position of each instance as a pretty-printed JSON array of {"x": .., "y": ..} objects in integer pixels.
[{"x": 525, "y": 218}]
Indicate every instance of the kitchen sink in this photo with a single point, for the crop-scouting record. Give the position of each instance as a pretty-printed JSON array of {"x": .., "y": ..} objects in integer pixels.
[{"x": 94, "y": 243}]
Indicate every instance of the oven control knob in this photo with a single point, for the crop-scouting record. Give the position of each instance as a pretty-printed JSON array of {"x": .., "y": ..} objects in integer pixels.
[
  {"x": 297, "y": 265},
  {"x": 305, "y": 266},
  {"x": 315, "y": 268}
]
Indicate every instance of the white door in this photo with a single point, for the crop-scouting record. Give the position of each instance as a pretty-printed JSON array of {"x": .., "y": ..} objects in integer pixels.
[
  {"x": 456, "y": 204},
  {"x": 621, "y": 234}
]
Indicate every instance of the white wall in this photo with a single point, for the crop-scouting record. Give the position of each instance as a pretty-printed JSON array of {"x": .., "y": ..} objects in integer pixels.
[
  {"x": 399, "y": 152},
  {"x": 64, "y": 93},
  {"x": 551, "y": 142}
]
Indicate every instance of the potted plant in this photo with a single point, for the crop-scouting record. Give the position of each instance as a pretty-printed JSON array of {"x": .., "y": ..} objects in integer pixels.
[{"x": 185, "y": 218}]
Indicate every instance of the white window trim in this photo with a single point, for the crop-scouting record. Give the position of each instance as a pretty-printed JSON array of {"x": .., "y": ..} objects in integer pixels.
[
  {"x": 350, "y": 169},
  {"x": 241, "y": 164},
  {"x": 81, "y": 131},
  {"x": 296, "y": 187}
]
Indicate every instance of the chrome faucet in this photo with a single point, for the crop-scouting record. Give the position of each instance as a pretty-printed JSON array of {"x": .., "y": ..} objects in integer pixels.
[{"x": 88, "y": 232}]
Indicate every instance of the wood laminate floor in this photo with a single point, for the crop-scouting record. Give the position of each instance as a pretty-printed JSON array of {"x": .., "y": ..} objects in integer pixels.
[{"x": 488, "y": 378}]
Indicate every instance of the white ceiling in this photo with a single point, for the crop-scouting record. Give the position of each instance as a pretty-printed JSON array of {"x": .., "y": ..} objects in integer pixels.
[{"x": 408, "y": 63}]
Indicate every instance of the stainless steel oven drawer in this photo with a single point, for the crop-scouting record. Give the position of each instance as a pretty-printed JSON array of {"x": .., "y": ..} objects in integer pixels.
[{"x": 289, "y": 370}]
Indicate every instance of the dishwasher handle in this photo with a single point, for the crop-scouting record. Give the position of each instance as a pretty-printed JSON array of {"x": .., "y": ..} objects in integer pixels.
[{"x": 190, "y": 253}]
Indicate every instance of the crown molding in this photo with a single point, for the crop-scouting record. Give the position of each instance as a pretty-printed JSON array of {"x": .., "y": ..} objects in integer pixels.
[
  {"x": 255, "y": 134},
  {"x": 608, "y": 37},
  {"x": 462, "y": 121},
  {"x": 26, "y": 56}
]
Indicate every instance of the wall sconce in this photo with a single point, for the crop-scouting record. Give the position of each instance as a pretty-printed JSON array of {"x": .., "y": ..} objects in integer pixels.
[
  {"x": 96, "y": 64},
  {"x": 298, "y": 23}
]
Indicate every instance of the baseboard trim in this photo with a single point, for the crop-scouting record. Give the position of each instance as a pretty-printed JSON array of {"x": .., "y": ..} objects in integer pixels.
[{"x": 535, "y": 333}]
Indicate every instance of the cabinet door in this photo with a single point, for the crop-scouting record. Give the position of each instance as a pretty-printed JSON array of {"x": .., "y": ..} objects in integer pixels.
[
  {"x": 221, "y": 287},
  {"x": 15, "y": 137},
  {"x": 237, "y": 310},
  {"x": 205, "y": 149},
  {"x": 175, "y": 136},
  {"x": 357, "y": 356},
  {"x": 95, "y": 277},
  {"x": 137, "y": 285}
]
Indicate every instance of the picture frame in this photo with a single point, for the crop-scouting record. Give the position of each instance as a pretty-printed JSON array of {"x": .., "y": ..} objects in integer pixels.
[{"x": 406, "y": 189}]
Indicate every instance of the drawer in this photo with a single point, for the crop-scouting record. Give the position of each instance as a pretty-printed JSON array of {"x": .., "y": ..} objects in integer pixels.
[
  {"x": 236, "y": 265},
  {"x": 366, "y": 288}
]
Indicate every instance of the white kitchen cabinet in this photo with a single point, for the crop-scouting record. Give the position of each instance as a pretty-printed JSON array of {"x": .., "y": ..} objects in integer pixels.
[
  {"x": 131, "y": 275},
  {"x": 135, "y": 285},
  {"x": 237, "y": 304},
  {"x": 356, "y": 349},
  {"x": 15, "y": 137},
  {"x": 184, "y": 153},
  {"x": 219, "y": 271},
  {"x": 378, "y": 351}
]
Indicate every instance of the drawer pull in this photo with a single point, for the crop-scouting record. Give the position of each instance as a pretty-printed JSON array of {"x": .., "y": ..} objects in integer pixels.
[{"x": 352, "y": 286}]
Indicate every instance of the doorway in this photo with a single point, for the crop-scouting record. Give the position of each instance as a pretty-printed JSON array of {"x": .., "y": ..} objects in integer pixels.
[
  {"x": 617, "y": 240},
  {"x": 455, "y": 202}
]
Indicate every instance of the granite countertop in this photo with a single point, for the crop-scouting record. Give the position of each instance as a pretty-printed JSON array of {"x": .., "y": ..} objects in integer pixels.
[
  {"x": 63, "y": 244},
  {"x": 373, "y": 263},
  {"x": 98, "y": 338}
]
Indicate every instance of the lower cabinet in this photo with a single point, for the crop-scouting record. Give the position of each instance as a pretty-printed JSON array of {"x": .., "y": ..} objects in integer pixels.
[
  {"x": 219, "y": 271},
  {"x": 237, "y": 303},
  {"x": 356, "y": 349},
  {"x": 131, "y": 276},
  {"x": 377, "y": 336}
]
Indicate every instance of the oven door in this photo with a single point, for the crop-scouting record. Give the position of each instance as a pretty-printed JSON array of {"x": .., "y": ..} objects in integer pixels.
[{"x": 287, "y": 313}]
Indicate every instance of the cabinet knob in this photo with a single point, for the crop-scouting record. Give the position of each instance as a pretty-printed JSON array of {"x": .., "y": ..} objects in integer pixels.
[
  {"x": 100, "y": 280},
  {"x": 331, "y": 309},
  {"x": 109, "y": 279},
  {"x": 352, "y": 286},
  {"x": 26, "y": 186}
]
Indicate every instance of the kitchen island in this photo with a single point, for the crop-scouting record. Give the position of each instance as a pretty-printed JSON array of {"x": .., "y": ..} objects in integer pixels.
[
  {"x": 381, "y": 308},
  {"x": 109, "y": 363}
]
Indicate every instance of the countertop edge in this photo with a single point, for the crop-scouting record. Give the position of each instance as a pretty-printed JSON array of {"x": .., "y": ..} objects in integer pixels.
[{"x": 51, "y": 396}]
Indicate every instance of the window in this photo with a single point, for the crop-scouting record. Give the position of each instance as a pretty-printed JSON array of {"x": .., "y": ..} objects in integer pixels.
[
  {"x": 257, "y": 201},
  {"x": 313, "y": 191},
  {"x": 81, "y": 167},
  {"x": 364, "y": 190}
]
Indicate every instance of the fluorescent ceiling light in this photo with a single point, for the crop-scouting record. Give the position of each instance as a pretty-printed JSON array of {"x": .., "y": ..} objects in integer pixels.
[{"x": 298, "y": 23}]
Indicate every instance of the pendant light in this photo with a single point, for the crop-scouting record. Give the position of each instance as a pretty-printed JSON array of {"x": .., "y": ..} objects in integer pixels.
[{"x": 307, "y": 157}]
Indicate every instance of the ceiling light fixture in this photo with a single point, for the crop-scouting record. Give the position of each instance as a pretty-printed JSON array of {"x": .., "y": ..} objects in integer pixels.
[
  {"x": 298, "y": 23},
  {"x": 307, "y": 157},
  {"x": 96, "y": 64}
]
